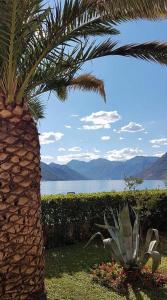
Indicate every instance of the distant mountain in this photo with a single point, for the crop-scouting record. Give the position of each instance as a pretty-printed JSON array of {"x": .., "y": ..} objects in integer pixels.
[
  {"x": 56, "y": 172},
  {"x": 104, "y": 169},
  {"x": 47, "y": 173},
  {"x": 158, "y": 170},
  {"x": 95, "y": 169},
  {"x": 135, "y": 165},
  {"x": 65, "y": 173}
]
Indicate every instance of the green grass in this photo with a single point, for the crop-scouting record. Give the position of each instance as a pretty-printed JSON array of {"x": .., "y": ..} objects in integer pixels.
[{"x": 67, "y": 275}]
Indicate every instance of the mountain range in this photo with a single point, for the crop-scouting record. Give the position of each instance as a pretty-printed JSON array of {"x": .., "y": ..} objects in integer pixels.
[
  {"x": 56, "y": 172},
  {"x": 102, "y": 169},
  {"x": 158, "y": 170}
]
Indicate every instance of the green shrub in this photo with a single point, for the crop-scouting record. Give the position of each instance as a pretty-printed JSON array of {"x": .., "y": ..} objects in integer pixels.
[{"x": 71, "y": 218}]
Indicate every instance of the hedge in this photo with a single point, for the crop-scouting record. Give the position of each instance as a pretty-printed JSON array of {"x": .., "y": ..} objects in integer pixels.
[{"x": 71, "y": 218}]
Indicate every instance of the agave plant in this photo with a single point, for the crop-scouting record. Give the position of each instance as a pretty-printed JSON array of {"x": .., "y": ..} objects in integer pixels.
[{"x": 124, "y": 241}]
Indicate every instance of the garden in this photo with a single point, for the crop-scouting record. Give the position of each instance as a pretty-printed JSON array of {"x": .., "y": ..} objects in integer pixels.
[
  {"x": 45, "y": 46},
  {"x": 74, "y": 271}
]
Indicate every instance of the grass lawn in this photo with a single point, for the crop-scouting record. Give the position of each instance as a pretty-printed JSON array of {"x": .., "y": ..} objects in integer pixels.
[{"x": 67, "y": 275}]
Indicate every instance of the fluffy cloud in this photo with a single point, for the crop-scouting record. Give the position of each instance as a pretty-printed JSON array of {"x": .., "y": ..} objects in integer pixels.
[
  {"x": 95, "y": 127},
  {"x": 105, "y": 138},
  {"x": 74, "y": 149},
  {"x": 47, "y": 158},
  {"x": 50, "y": 137},
  {"x": 123, "y": 154},
  {"x": 159, "y": 142},
  {"x": 100, "y": 119},
  {"x": 139, "y": 139},
  {"x": 132, "y": 127},
  {"x": 68, "y": 126},
  {"x": 85, "y": 156},
  {"x": 61, "y": 149}
]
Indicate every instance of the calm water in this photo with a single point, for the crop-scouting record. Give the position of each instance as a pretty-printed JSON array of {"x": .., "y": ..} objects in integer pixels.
[{"x": 91, "y": 186}]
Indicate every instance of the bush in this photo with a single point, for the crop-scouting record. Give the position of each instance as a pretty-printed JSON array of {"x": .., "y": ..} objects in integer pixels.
[{"x": 71, "y": 218}]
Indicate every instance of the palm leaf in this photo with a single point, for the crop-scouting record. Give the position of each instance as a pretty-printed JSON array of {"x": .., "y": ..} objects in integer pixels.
[
  {"x": 153, "y": 51},
  {"x": 88, "y": 82},
  {"x": 36, "y": 107},
  {"x": 34, "y": 37},
  {"x": 122, "y": 10}
]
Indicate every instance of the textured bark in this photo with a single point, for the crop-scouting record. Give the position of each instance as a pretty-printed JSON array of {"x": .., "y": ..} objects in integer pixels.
[{"x": 21, "y": 240}]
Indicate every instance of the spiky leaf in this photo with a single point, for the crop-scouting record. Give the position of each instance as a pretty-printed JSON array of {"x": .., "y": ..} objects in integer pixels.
[{"x": 127, "y": 231}]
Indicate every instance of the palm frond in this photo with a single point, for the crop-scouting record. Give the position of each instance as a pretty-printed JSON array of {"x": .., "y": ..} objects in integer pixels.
[
  {"x": 124, "y": 10},
  {"x": 36, "y": 107},
  {"x": 150, "y": 51},
  {"x": 61, "y": 91},
  {"x": 43, "y": 48},
  {"x": 88, "y": 82},
  {"x": 56, "y": 72},
  {"x": 62, "y": 27},
  {"x": 153, "y": 51}
]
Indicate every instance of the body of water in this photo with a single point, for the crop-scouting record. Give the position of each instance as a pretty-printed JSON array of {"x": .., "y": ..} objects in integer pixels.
[{"x": 92, "y": 186}]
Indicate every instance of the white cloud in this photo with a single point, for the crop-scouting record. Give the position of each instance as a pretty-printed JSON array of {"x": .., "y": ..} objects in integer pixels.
[
  {"x": 123, "y": 154},
  {"x": 159, "y": 154},
  {"x": 155, "y": 146},
  {"x": 139, "y": 139},
  {"x": 74, "y": 116},
  {"x": 61, "y": 149},
  {"x": 122, "y": 138},
  {"x": 114, "y": 130},
  {"x": 96, "y": 150},
  {"x": 159, "y": 142},
  {"x": 132, "y": 127},
  {"x": 85, "y": 156},
  {"x": 47, "y": 158},
  {"x": 105, "y": 138},
  {"x": 100, "y": 119},
  {"x": 74, "y": 149},
  {"x": 50, "y": 137},
  {"x": 95, "y": 127},
  {"x": 68, "y": 126}
]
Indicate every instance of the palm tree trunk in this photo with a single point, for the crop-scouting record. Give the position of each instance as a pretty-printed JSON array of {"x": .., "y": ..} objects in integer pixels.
[{"x": 21, "y": 238}]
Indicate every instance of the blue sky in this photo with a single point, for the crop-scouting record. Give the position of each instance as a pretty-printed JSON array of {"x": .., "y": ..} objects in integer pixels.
[{"x": 132, "y": 122}]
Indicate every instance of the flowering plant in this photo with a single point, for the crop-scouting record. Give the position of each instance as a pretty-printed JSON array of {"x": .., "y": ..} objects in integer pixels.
[{"x": 112, "y": 275}]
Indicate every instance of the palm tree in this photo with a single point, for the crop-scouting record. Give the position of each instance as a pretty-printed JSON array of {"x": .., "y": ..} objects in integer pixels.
[{"x": 42, "y": 49}]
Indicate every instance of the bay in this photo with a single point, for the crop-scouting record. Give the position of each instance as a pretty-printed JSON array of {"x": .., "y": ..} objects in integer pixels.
[{"x": 92, "y": 186}]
